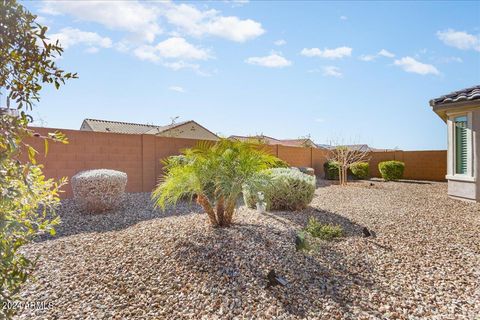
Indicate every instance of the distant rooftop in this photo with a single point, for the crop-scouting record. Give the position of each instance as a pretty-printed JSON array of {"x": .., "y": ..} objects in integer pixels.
[
  {"x": 357, "y": 147},
  {"x": 127, "y": 127},
  {"x": 302, "y": 142}
]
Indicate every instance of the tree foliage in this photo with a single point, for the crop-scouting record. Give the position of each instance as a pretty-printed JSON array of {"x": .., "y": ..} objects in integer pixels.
[
  {"x": 345, "y": 157},
  {"x": 27, "y": 198},
  {"x": 215, "y": 173}
]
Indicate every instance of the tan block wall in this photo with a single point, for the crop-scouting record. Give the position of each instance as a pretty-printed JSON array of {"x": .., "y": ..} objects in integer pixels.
[
  {"x": 166, "y": 147},
  {"x": 91, "y": 150},
  {"x": 320, "y": 156},
  {"x": 140, "y": 157},
  {"x": 295, "y": 156}
]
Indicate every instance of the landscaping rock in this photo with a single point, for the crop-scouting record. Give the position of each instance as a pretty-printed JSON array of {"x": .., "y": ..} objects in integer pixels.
[
  {"x": 99, "y": 190},
  {"x": 139, "y": 263}
]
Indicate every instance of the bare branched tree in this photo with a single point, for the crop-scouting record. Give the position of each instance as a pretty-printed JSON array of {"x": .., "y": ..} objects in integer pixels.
[{"x": 347, "y": 155}]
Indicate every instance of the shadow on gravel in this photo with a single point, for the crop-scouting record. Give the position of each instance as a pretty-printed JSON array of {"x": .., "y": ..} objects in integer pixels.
[
  {"x": 350, "y": 228},
  {"x": 414, "y": 182},
  {"x": 237, "y": 259},
  {"x": 136, "y": 208}
]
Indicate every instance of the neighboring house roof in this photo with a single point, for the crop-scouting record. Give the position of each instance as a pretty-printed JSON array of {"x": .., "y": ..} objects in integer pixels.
[
  {"x": 468, "y": 94},
  {"x": 299, "y": 142},
  {"x": 131, "y": 128},
  {"x": 116, "y": 126},
  {"x": 258, "y": 138},
  {"x": 325, "y": 146},
  {"x": 358, "y": 147},
  {"x": 269, "y": 140}
]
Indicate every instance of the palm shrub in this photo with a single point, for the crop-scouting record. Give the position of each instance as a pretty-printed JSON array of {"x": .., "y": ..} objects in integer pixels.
[
  {"x": 360, "y": 170},
  {"x": 391, "y": 170},
  {"x": 285, "y": 189},
  {"x": 215, "y": 174}
]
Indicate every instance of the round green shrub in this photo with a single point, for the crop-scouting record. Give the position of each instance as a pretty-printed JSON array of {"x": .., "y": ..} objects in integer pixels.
[
  {"x": 331, "y": 169},
  {"x": 391, "y": 170},
  {"x": 288, "y": 189},
  {"x": 360, "y": 170}
]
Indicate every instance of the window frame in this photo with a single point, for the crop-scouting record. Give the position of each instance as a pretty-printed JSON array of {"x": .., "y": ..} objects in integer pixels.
[
  {"x": 456, "y": 146},
  {"x": 452, "y": 148}
]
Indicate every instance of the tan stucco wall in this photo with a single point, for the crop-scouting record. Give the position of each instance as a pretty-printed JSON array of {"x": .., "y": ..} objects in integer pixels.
[
  {"x": 462, "y": 189},
  {"x": 189, "y": 131}
]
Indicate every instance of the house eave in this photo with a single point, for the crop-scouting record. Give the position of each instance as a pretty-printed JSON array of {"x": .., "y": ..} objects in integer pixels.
[{"x": 442, "y": 110}]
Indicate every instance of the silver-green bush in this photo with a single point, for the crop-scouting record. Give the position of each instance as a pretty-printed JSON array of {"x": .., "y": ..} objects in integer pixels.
[{"x": 288, "y": 189}]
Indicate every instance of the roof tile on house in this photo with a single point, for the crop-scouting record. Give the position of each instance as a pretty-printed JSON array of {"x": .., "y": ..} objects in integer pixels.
[{"x": 468, "y": 94}]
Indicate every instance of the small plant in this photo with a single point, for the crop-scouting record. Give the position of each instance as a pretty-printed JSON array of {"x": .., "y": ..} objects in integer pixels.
[
  {"x": 360, "y": 170},
  {"x": 286, "y": 189},
  {"x": 391, "y": 170},
  {"x": 331, "y": 169},
  {"x": 323, "y": 231}
]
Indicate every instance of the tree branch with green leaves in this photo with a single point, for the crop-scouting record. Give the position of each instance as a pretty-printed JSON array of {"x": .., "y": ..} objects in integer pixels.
[{"x": 27, "y": 199}]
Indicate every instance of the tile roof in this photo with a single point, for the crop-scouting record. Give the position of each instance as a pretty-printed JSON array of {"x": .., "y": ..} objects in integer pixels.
[
  {"x": 273, "y": 141},
  {"x": 358, "y": 147},
  {"x": 468, "y": 94},
  {"x": 259, "y": 138},
  {"x": 127, "y": 127}
]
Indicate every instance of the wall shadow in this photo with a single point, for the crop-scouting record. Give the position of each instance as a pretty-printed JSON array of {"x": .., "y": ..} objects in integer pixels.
[{"x": 414, "y": 181}]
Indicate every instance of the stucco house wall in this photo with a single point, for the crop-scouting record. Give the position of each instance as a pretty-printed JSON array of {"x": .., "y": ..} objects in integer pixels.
[
  {"x": 464, "y": 188},
  {"x": 462, "y": 103}
]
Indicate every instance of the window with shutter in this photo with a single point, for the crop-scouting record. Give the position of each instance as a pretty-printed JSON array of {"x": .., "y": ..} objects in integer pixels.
[{"x": 461, "y": 145}]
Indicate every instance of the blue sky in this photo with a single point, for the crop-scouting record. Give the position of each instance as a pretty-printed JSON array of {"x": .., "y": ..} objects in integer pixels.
[{"x": 352, "y": 71}]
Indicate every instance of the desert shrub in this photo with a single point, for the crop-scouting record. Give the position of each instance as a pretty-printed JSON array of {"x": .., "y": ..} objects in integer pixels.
[
  {"x": 331, "y": 169},
  {"x": 360, "y": 170},
  {"x": 286, "y": 189},
  {"x": 307, "y": 170},
  {"x": 391, "y": 170},
  {"x": 323, "y": 231},
  {"x": 99, "y": 190}
]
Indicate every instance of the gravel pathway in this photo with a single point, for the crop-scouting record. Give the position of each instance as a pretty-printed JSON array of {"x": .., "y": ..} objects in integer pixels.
[{"x": 138, "y": 263}]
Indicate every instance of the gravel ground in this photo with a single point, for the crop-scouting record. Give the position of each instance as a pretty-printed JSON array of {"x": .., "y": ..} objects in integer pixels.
[{"x": 138, "y": 263}]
